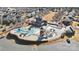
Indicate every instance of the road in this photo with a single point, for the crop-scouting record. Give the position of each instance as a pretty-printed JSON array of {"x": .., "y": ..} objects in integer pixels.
[{"x": 11, "y": 45}]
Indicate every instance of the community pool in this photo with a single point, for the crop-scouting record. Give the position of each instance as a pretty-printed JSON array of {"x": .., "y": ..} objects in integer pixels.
[
  {"x": 28, "y": 31},
  {"x": 21, "y": 30}
]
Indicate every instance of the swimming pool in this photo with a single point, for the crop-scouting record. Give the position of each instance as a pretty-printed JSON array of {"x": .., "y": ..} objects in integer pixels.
[
  {"x": 28, "y": 31},
  {"x": 21, "y": 30}
]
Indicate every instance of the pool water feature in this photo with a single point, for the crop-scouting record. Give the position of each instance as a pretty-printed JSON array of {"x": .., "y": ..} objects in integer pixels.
[
  {"x": 32, "y": 31},
  {"x": 27, "y": 31},
  {"x": 21, "y": 30}
]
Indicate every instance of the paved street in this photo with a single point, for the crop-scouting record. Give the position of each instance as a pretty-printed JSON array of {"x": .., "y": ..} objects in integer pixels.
[{"x": 11, "y": 45}]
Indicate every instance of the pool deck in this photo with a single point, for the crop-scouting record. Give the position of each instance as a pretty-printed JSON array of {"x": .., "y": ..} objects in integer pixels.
[{"x": 34, "y": 37}]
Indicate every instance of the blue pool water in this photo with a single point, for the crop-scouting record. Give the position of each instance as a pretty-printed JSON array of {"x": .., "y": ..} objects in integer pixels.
[
  {"x": 20, "y": 30},
  {"x": 32, "y": 31},
  {"x": 26, "y": 31}
]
